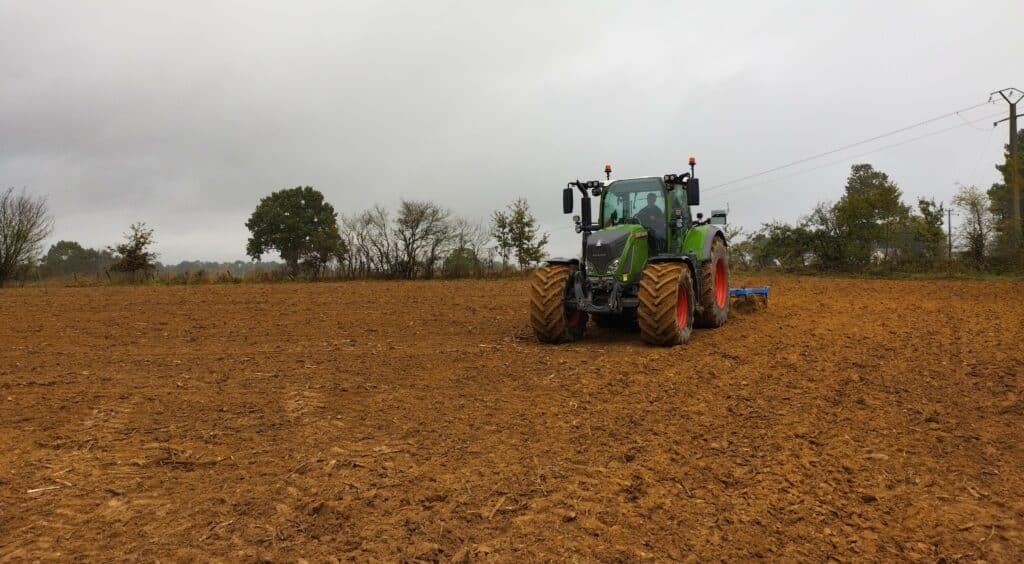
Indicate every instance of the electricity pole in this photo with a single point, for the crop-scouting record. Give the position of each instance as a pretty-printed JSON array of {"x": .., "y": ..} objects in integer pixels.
[
  {"x": 949, "y": 233},
  {"x": 1012, "y": 96}
]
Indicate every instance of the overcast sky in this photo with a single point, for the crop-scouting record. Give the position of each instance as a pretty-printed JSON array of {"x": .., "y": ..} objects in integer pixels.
[{"x": 183, "y": 114}]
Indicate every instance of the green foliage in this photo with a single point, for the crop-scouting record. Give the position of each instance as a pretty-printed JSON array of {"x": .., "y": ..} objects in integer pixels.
[
  {"x": 868, "y": 228},
  {"x": 999, "y": 194},
  {"x": 134, "y": 255},
  {"x": 516, "y": 230},
  {"x": 782, "y": 242},
  {"x": 868, "y": 216},
  {"x": 461, "y": 262},
  {"x": 68, "y": 257},
  {"x": 928, "y": 230},
  {"x": 299, "y": 225}
]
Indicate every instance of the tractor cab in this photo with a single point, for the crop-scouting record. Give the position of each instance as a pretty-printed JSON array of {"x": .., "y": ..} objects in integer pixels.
[{"x": 649, "y": 203}]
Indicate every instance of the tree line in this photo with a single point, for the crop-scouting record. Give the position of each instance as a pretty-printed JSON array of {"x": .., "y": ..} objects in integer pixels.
[
  {"x": 420, "y": 239},
  {"x": 871, "y": 229},
  {"x": 868, "y": 229}
]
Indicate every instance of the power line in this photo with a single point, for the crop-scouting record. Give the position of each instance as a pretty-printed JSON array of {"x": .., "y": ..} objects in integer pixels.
[
  {"x": 850, "y": 146},
  {"x": 984, "y": 147},
  {"x": 848, "y": 158}
]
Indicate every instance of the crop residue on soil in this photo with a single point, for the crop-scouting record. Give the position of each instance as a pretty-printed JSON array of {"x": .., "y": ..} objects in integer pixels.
[{"x": 385, "y": 420}]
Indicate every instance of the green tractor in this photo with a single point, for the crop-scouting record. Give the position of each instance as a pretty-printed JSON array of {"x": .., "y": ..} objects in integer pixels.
[{"x": 645, "y": 262}]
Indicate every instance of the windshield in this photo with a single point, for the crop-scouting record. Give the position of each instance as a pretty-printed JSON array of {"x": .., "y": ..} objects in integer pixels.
[{"x": 634, "y": 201}]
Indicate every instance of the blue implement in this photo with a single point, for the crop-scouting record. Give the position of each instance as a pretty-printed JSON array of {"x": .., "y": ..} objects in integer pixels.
[{"x": 750, "y": 292}]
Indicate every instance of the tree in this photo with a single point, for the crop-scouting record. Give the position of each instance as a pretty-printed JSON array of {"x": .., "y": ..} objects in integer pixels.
[
  {"x": 25, "y": 223},
  {"x": 976, "y": 229},
  {"x": 69, "y": 257},
  {"x": 325, "y": 246},
  {"x": 823, "y": 233},
  {"x": 380, "y": 241},
  {"x": 134, "y": 255},
  {"x": 516, "y": 229},
  {"x": 470, "y": 240},
  {"x": 868, "y": 215},
  {"x": 501, "y": 231},
  {"x": 295, "y": 222},
  {"x": 461, "y": 262},
  {"x": 999, "y": 194},
  {"x": 927, "y": 229},
  {"x": 422, "y": 230},
  {"x": 781, "y": 242}
]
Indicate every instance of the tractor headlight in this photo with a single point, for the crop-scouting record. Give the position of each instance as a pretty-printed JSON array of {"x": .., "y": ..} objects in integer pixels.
[
  {"x": 613, "y": 266},
  {"x": 591, "y": 269}
]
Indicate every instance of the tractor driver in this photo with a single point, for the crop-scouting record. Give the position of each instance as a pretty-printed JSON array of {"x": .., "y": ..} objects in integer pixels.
[{"x": 653, "y": 218}]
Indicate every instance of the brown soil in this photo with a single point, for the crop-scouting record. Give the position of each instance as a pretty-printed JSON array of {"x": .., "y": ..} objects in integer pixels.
[{"x": 851, "y": 419}]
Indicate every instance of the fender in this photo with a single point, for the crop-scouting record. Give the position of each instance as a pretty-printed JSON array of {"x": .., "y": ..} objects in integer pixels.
[
  {"x": 559, "y": 260},
  {"x": 699, "y": 239}
]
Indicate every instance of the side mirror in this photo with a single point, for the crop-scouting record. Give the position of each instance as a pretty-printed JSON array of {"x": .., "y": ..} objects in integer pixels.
[
  {"x": 567, "y": 200},
  {"x": 585, "y": 204},
  {"x": 693, "y": 192}
]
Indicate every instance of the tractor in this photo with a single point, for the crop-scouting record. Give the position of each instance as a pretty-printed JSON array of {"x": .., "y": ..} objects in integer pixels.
[{"x": 645, "y": 262}]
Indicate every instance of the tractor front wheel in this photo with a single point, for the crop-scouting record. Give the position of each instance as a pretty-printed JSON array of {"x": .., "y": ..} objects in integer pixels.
[
  {"x": 667, "y": 304},
  {"x": 553, "y": 319},
  {"x": 714, "y": 287}
]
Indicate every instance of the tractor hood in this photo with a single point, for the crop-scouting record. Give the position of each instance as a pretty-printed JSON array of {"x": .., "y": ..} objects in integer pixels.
[{"x": 606, "y": 245}]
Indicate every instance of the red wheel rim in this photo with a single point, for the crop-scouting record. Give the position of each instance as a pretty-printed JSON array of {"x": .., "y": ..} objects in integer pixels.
[
  {"x": 721, "y": 285},
  {"x": 682, "y": 306}
]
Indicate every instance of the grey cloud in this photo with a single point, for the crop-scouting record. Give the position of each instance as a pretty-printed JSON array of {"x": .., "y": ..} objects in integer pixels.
[{"x": 184, "y": 114}]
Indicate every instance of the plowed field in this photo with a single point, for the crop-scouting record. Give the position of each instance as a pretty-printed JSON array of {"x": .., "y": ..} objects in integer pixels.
[{"x": 399, "y": 421}]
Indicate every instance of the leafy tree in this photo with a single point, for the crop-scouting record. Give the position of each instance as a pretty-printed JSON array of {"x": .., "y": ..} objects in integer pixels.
[
  {"x": 501, "y": 231},
  {"x": 868, "y": 215},
  {"x": 782, "y": 242},
  {"x": 976, "y": 229},
  {"x": 325, "y": 246},
  {"x": 134, "y": 255},
  {"x": 927, "y": 229},
  {"x": 826, "y": 235},
  {"x": 25, "y": 223},
  {"x": 295, "y": 222},
  {"x": 516, "y": 230},
  {"x": 999, "y": 194},
  {"x": 69, "y": 257},
  {"x": 461, "y": 262}
]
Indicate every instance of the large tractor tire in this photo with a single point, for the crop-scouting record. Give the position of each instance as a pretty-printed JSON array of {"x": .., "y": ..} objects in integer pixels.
[
  {"x": 667, "y": 304},
  {"x": 552, "y": 319},
  {"x": 714, "y": 287}
]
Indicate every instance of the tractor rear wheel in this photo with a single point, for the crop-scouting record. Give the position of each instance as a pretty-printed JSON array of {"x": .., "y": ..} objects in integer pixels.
[
  {"x": 667, "y": 302},
  {"x": 552, "y": 318},
  {"x": 714, "y": 287}
]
